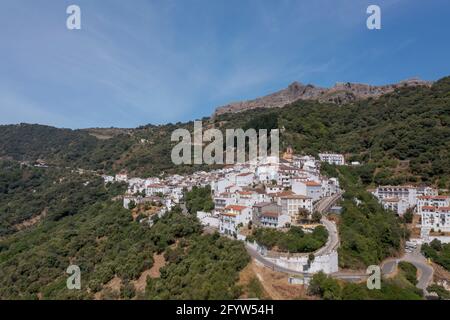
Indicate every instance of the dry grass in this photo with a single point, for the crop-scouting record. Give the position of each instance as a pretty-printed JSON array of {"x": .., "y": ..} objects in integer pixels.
[
  {"x": 440, "y": 273},
  {"x": 113, "y": 285},
  {"x": 32, "y": 221},
  {"x": 275, "y": 284}
]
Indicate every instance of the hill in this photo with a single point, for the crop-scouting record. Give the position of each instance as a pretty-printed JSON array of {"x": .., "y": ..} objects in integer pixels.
[{"x": 402, "y": 136}]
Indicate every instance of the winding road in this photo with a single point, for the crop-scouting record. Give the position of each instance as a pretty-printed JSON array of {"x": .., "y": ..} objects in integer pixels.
[{"x": 418, "y": 260}]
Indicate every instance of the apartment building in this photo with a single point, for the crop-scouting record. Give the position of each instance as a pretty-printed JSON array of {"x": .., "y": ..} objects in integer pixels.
[
  {"x": 332, "y": 158},
  {"x": 437, "y": 218},
  {"x": 409, "y": 193},
  {"x": 432, "y": 201},
  {"x": 291, "y": 204}
]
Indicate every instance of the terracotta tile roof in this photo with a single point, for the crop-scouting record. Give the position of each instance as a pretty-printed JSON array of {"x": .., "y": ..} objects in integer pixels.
[
  {"x": 271, "y": 214},
  {"x": 433, "y": 197},
  {"x": 245, "y": 192},
  {"x": 295, "y": 196},
  {"x": 282, "y": 194},
  {"x": 232, "y": 215},
  {"x": 262, "y": 204},
  {"x": 312, "y": 184},
  {"x": 244, "y": 174},
  {"x": 235, "y": 207}
]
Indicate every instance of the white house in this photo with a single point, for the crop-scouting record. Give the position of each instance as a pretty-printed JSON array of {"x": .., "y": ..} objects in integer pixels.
[
  {"x": 153, "y": 189},
  {"x": 121, "y": 177},
  {"x": 330, "y": 186},
  {"x": 274, "y": 220},
  {"x": 108, "y": 179},
  {"x": 244, "y": 179},
  {"x": 291, "y": 204},
  {"x": 273, "y": 188},
  {"x": 266, "y": 173},
  {"x": 268, "y": 214},
  {"x": 247, "y": 198},
  {"x": 311, "y": 189},
  {"x": 398, "y": 205},
  {"x": 232, "y": 217},
  {"x": 222, "y": 200}
]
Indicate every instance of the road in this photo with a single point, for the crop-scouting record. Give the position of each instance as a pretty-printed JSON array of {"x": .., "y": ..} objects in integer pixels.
[
  {"x": 333, "y": 238},
  {"x": 269, "y": 264},
  {"x": 324, "y": 204},
  {"x": 418, "y": 260}
]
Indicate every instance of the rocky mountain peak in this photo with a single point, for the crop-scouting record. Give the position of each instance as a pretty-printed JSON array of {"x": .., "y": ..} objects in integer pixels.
[{"x": 341, "y": 92}]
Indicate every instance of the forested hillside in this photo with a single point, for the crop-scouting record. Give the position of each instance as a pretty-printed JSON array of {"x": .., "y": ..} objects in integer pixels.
[
  {"x": 368, "y": 233},
  {"x": 84, "y": 227},
  {"x": 144, "y": 151},
  {"x": 29, "y": 194}
]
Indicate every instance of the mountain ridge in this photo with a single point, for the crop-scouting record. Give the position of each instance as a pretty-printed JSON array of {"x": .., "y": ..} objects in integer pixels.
[{"x": 341, "y": 92}]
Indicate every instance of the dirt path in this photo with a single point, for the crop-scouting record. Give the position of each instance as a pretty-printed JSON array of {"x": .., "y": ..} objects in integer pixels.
[
  {"x": 153, "y": 272},
  {"x": 32, "y": 221}
]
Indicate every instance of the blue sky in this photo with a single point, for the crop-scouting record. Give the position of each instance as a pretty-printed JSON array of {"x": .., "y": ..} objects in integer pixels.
[{"x": 158, "y": 61}]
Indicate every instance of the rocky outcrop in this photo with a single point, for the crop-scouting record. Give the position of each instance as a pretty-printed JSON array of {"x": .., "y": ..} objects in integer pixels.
[{"x": 340, "y": 93}]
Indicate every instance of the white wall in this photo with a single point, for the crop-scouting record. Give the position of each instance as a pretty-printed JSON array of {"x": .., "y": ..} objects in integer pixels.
[
  {"x": 325, "y": 263},
  {"x": 208, "y": 219}
]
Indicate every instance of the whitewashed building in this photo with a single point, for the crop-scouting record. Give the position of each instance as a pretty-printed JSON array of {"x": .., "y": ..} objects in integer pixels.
[
  {"x": 408, "y": 193},
  {"x": 269, "y": 215},
  {"x": 291, "y": 204},
  {"x": 437, "y": 218},
  {"x": 398, "y": 205},
  {"x": 432, "y": 201},
  {"x": 232, "y": 217},
  {"x": 332, "y": 158}
]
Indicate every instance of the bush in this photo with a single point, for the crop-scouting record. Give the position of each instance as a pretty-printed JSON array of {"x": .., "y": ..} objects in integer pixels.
[{"x": 295, "y": 240}]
